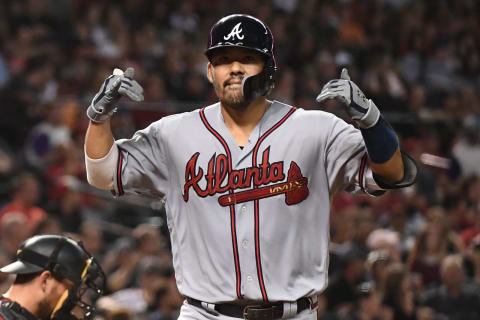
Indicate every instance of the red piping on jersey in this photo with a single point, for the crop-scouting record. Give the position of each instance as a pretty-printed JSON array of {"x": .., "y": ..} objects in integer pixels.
[
  {"x": 232, "y": 208},
  {"x": 313, "y": 304},
  {"x": 361, "y": 172},
  {"x": 119, "y": 173},
  {"x": 256, "y": 205}
]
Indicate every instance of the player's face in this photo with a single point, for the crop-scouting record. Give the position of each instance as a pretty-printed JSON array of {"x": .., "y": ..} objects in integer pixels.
[
  {"x": 53, "y": 292},
  {"x": 226, "y": 70}
]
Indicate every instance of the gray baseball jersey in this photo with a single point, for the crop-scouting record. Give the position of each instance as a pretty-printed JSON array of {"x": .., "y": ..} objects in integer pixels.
[{"x": 249, "y": 223}]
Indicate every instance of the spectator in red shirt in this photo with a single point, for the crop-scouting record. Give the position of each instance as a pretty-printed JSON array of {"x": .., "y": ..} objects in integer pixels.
[{"x": 25, "y": 196}]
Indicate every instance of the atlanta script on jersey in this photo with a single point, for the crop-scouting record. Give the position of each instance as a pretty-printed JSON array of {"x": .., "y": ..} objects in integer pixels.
[
  {"x": 242, "y": 221},
  {"x": 295, "y": 187}
]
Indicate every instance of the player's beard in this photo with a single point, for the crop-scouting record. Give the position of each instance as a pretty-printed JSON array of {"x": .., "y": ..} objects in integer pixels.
[
  {"x": 44, "y": 310},
  {"x": 231, "y": 96}
]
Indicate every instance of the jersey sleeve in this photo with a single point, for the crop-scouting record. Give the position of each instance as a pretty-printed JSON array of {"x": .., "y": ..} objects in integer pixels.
[
  {"x": 141, "y": 166},
  {"x": 346, "y": 161}
]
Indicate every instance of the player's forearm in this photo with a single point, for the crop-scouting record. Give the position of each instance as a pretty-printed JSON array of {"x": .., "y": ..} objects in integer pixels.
[
  {"x": 384, "y": 155},
  {"x": 98, "y": 140},
  {"x": 392, "y": 171}
]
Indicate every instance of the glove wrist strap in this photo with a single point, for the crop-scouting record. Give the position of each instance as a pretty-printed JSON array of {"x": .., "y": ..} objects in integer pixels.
[
  {"x": 98, "y": 117},
  {"x": 370, "y": 118}
]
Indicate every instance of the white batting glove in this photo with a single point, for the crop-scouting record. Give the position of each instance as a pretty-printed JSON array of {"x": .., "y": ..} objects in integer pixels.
[
  {"x": 362, "y": 110},
  {"x": 113, "y": 88}
]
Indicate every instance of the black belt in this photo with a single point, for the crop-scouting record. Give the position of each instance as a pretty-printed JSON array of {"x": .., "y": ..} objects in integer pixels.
[{"x": 253, "y": 312}]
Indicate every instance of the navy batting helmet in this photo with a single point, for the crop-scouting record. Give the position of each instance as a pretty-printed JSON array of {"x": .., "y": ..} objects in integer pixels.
[{"x": 245, "y": 31}]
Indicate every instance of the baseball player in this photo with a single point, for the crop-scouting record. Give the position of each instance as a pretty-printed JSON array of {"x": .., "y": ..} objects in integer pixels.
[
  {"x": 247, "y": 181},
  {"x": 53, "y": 274}
]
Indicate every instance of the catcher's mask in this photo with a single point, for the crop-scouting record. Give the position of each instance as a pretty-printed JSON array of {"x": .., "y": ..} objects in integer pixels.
[
  {"x": 245, "y": 31},
  {"x": 65, "y": 259}
]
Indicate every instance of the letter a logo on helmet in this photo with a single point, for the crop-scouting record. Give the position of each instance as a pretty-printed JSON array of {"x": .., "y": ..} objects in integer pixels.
[{"x": 235, "y": 33}]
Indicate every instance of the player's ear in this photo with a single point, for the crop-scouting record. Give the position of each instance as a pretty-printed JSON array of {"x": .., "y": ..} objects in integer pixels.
[
  {"x": 44, "y": 278},
  {"x": 210, "y": 72}
]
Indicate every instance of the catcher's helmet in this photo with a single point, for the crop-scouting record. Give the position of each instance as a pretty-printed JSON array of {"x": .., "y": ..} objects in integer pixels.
[
  {"x": 61, "y": 255},
  {"x": 64, "y": 258},
  {"x": 245, "y": 31}
]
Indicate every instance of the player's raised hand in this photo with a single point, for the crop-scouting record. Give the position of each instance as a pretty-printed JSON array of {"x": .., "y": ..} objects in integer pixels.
[
  {"x": 113, "y": 88},
  {"x": 362, "y": 110},
  {"x": 129, "y": 87}
]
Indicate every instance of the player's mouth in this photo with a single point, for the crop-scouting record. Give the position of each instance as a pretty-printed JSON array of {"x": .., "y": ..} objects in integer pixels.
[{"x": 233, "y": 83}]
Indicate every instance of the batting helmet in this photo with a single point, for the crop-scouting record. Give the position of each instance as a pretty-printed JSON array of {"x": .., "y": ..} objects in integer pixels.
[
  {"x": 64, "y": 258},
  {"x": 245, "y": 31}
]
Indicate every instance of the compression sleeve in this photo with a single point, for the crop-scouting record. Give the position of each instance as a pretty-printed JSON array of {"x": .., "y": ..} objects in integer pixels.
[{"x": 100, "y": 171}]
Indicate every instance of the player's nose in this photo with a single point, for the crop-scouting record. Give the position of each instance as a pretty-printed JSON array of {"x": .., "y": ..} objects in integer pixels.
[{"x": 236, "y": 67}]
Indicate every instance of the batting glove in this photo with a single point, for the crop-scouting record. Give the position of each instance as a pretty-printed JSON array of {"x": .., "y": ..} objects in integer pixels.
[
  {"x": 362, "y": 110},
  {"x": 113, "y": 88}
]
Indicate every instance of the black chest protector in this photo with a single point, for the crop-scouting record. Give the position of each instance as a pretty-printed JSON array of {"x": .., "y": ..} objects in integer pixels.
[{"x": 10, "y": 310}]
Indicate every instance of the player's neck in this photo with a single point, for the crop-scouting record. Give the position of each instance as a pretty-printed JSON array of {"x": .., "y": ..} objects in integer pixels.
[
  {"x": 241, "y": 122},
  {"x": 23, "y": 296}
]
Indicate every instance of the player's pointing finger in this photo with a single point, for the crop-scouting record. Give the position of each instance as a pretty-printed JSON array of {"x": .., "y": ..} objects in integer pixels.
[
  {"x": 344, "y": 74},
  {"x": 129, "y": 73}
]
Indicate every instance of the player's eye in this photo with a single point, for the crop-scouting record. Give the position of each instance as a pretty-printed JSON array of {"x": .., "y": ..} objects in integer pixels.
[
  {"x": 218, "y": 60},
  {"x": 248, "y": 59}
]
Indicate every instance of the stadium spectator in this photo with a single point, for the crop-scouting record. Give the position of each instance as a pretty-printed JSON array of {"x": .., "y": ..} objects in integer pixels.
[
  {"x": 25, "y": 197},
  {"x": 454, "y": 299},
  {"x": 398, "y": 295},
  {"x": 433, "y": 244}
]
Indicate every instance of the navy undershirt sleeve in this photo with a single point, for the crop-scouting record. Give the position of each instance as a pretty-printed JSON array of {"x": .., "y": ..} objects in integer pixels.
[{"x": 381, "y": 141}]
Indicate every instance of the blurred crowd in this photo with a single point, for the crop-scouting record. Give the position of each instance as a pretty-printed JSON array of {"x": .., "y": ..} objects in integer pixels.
[{"x": 410, "y": 254}]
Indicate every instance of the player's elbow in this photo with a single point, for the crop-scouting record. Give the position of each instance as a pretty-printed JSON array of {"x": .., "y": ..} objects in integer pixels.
[{"x": 99, "y": 181}]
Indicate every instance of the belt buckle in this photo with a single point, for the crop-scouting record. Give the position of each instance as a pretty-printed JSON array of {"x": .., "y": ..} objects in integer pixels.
[
  {"x": 258, "y": 312},
  {"x": 247, "y": 308}
]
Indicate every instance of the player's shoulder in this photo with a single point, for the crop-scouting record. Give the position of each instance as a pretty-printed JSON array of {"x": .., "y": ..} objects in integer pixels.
[
  {"x": 183, "y": 118},
  {"x": 302, "y": 115}
]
